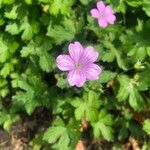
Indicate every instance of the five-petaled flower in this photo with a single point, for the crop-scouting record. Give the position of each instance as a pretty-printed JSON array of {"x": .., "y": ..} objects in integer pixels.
[
  {"x": 79, "y": 64},
  {"x": 104, "y": 14}
]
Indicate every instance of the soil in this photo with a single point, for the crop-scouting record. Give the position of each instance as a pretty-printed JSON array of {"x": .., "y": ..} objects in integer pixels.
[{"x": 24, "y": 130}]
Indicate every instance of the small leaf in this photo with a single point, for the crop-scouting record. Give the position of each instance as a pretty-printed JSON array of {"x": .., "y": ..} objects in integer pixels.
[
  {"x": 12, "y": 28},
  {"x": 146, "y": 126},
  {"x": 62, "y": 33},
  {"x": 103, "y": 127},
  {"x": 107, "y": 76},
  {"x": 134, "y": 3},
  {"x": 46, "y": 62},
  {"x": 4, "y": 54},
  {"x": 27, "y": 30},
  {"x": 12, "y": 14},
  {"x": 85, "y": 2},
  {"x": 53, "y": 134},
  {"x": 146, "y": 8}
]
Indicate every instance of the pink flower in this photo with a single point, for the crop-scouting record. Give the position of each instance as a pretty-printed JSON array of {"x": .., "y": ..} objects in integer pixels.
[
  {"x": 104, "y": 14},
  {"x": 79, "y": 64}
]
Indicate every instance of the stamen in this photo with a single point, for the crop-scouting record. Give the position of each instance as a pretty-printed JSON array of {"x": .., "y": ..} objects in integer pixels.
[{"x": 78, "y": 66}]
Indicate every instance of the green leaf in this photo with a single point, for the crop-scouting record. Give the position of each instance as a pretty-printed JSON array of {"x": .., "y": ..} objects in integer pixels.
[
  {"x": 148, "y": 51},
  {"x": 107, "y": 76},
  {"x": 7, "y": 119},
  {"x": 4, "y": 54},
  {"x": 12, "y": 14},
  {"x": 7, "y": 68},
  {"x": 61, "y": 81},
  {"x": 28, "y": 50},
  {"x": 58, "y": 133},
  {"x": 120, "y": 61},
  {"x": 137, "y": 54},
  {"x": 143, "y": 79},
  {"x": 28, "y": 1},
  {"x": 53, "y": 134},
  {"x": 124, "y": 89},
  {"x": 27, "y": 30},
  {"x": 46, "y": 62},
  {"x": 33, "y": 93},
  {"x": 146, "y": 8},
  {"x": 103, "y": 127},
  {"x": 76, "y": 103},
  {"x": 118, "y": 54},
  {"x": 108, "y": 57},
  {"x": 12, "y": 28},
  {"x": 119, "y": 6},
  {"x": 91, "y": 114},
  {"x": 146, "y": 126},
  {"x": 80, "y": 111},
  {"x": 8, "y": 2},
  {"x": 44, "y": 1},
  {"x": 2, "y": 21},
  {"x": 135, "y": 99},
  {"x": 60, "y": 33},
  {"x": 88, "y": 107},
  {"x": 61, "y": 6},
  {"x": 106, "y": 131},
  {"x": 129, "y": 90},
  {"x": 134, "y": 3},
  {"x": 85, "y": 2}
]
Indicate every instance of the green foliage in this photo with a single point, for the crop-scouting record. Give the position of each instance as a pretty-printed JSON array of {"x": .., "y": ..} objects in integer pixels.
[
  {"x": 88, "y": 107},
  {"x": 62, "y": 33},
  {"x": 103, "y": 127},
  {"x": 129, "y": 91},
  {"x": 61, "y": 6},
  {"x": 146, "y": 126},
  {"x": 61, "y": 135},
  {"x": 34, "y": 32},
  {"x": 34, "y": 93},
  {"x": 7, "y": 119}
]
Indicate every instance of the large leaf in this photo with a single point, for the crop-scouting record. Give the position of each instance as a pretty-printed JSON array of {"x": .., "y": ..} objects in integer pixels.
[
  {"x": 129, "y": 90},
  {"x": 62, "y": 33},
  {"x": 88, "y": 107},
  {"x": 103, "y": 127}
]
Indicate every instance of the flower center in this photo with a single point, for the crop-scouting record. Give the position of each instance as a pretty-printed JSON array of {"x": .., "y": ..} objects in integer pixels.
[
  {"x": 102, "y": 15},
  {"x": 78, "y": 66}
]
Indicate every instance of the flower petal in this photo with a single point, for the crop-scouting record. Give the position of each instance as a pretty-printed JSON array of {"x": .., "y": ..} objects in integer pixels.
[
  {"x": 89, "y": 55},
  {"x": 95, "y": 13},
  {"x": 75, "y": 51},
  {"x": 64, "y": 62},
  {"x": 108, "y": 10},
  {"x": 101, "y": 6},
  {"x": 111, "y": 19},
  {"x": 76, "y": 77},
  {"x": 93, "y": 71},
  {"x": 102, "y": 23}
]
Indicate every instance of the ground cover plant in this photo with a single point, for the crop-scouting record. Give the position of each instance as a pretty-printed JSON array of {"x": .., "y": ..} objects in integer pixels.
[{"x": 36, "y": 100}]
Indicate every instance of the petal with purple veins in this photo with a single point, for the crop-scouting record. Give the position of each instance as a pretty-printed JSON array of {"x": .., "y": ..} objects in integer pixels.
[
  {"x": 89, "y": 55},
  {"x": 108, "y": 10},
  {"x": 64, "y": 62},
  {"x": 75, "y": 51},
  {"x": 77, "y": 78},
  {"x": 101, "y": 6},
  {"x": 111, "y": 19},
  {"x": 92, "y": 72},
  {"x": 95, "y": 13},
  {"x": 102, "y": 22}
]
